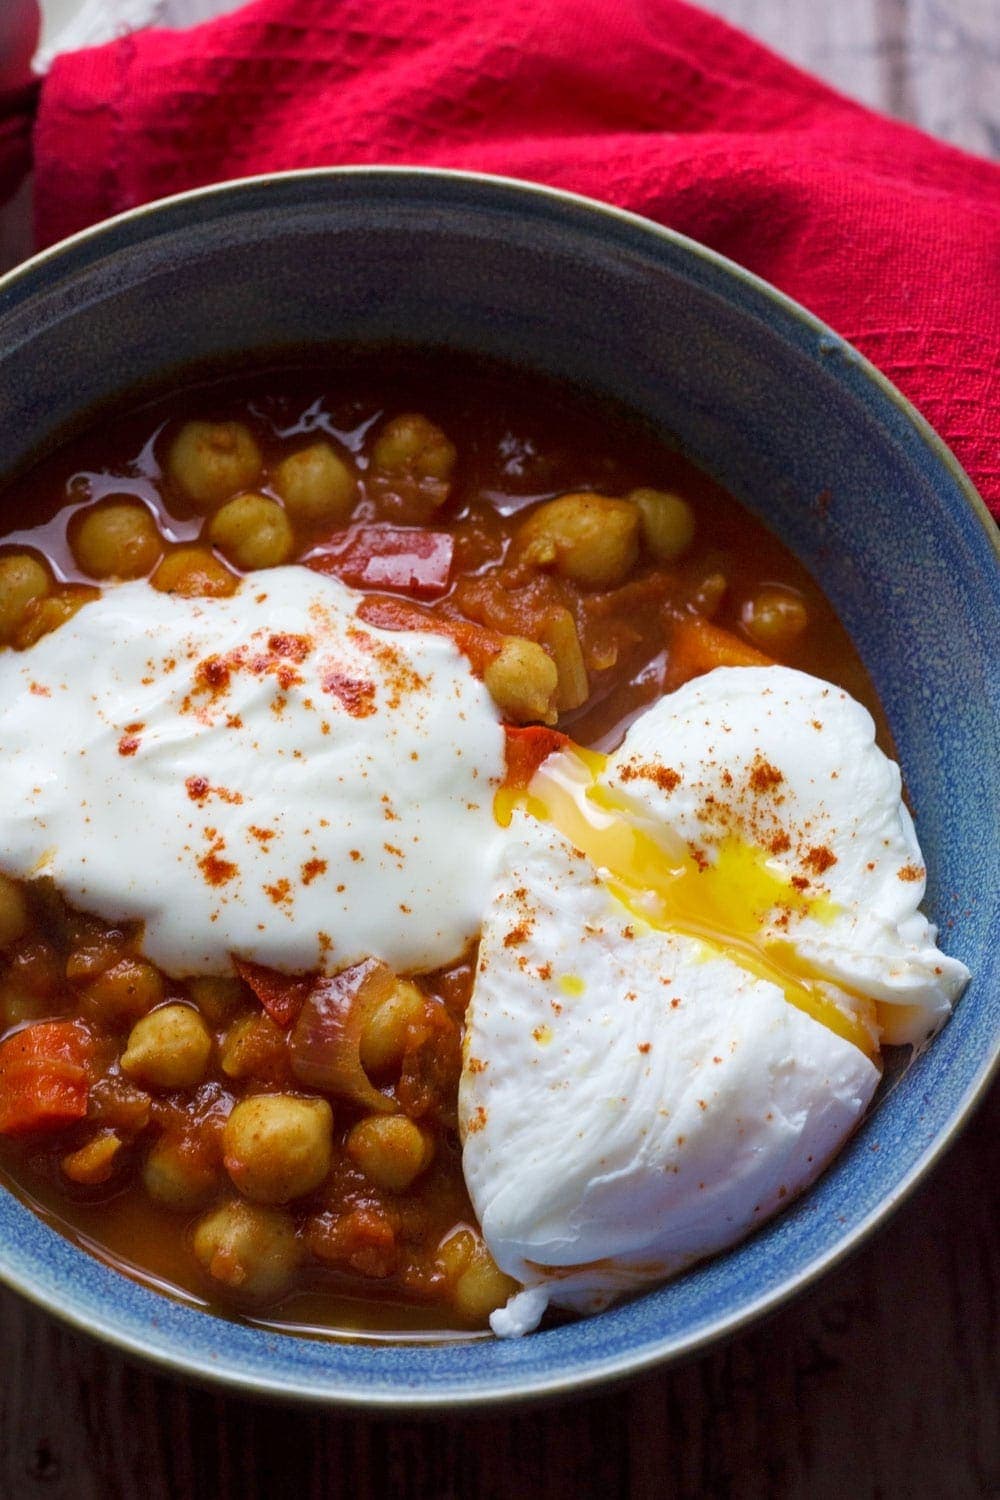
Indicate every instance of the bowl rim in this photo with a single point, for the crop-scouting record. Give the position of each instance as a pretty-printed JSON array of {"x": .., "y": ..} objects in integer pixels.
[
  {"x": 521, "y": 186},
  {"x": 670, "y": 1348}
]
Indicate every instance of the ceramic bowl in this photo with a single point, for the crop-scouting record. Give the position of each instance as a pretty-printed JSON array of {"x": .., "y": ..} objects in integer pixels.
[{"x": 788, "y": 417}]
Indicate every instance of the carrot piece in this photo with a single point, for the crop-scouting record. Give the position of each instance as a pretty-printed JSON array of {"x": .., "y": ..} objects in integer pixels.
[
  {"x": 43, "y": 1077},
  {"x": 695, "y": 646},
  {"x": 527, "y": 747},
  {"x": 281, "y": 995}
]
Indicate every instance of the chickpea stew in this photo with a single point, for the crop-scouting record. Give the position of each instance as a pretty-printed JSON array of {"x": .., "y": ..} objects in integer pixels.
[{"x": 225, "y": 1137}]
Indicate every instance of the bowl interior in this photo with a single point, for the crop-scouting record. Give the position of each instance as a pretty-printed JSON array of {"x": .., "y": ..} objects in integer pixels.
[{"x": 785, "y": 414}]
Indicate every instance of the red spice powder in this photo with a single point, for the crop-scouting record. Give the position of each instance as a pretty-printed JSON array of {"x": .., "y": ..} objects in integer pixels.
[
  {"x": 398, "y": 676},
  {"x": 213, "y": 674},
  {"x": 295, "y": 647},
  {"x": 217, "y": 871},
  {"x": 665, "y": 777},
  {"x": 356, "y": 694},
  {"x": 763, "y": 776},
  {"x": 819, "y": 859},
  {"x": 199, "y": 789}
]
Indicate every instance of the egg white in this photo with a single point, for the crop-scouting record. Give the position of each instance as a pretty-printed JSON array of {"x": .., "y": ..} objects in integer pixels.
[
  {"x": 825, "y": 788},
  {"x": 631, "y": 1100},
  {"x": 636, "y": 1095}
]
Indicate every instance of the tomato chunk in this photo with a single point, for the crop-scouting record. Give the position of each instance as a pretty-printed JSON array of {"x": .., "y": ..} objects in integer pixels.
[
  {"x": 527, "y": 747},
  {"x": 43, "y": 1077},
  {"x": 408, "y": 560},
  {"x": 281, "y": 995},
  {"x": 478, "y": 642}
]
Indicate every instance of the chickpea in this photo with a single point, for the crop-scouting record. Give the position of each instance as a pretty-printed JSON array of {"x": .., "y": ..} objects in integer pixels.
[
  {"x": 125, "y": 991},
  {"x": 316, "y": 485},
  {"x": 209, "y": 461},
  {"x": 412, "y": 446},
  {"x": 13, "y": 912},
  {"x": 707, "y": 595},
  {"x": 589, "y": 538},
  {"x": 248, "y": 1249},
  {"x": 666, "y": 521},
  {"x": 390, "y": 1149},
  {"x": 216, "y": 997},
  {"x": 774, "y": 618},
  {"x": 177, "y": 1175},
  {"x": 237, "y": 1046},
  {"x": 194, "y": 573},
  {"x": 254, "y": 1047},
  {"x": 522, "y": 681},
  {"x": 253, "y": 532},
  {"x": 22, "y": 579},
  {"x": 49, "y": 612},
  {"x": 558, "y": 632},
  {"x": 455, "y": 1252},
  {"x": 481, "y": 1287},
  {"x": 386, "y": 1032},
  {"x": 116, "y": 540},
  {"x": 276, "y": 1146},
  {"x": 93, "y": 954},
  {"x": 168, "y": 1049}
]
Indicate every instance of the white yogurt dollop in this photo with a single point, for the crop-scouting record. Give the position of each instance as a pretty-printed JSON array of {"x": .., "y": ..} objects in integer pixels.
[{"x": 262, "y": 775}]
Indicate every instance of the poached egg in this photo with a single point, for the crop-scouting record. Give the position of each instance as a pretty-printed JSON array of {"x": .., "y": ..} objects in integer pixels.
[{"x": 693, "y": 951}]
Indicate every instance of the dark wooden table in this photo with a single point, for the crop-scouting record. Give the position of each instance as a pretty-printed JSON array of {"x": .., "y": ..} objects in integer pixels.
[{"x": 882, "y": 1382}]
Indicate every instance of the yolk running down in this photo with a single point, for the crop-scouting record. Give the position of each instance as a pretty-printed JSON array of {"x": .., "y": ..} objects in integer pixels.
[{"x": 725, "y": 904}]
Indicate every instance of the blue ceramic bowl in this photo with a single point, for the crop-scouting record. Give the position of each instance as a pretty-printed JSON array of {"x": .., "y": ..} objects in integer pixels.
[{"x": 765, "y": 397}]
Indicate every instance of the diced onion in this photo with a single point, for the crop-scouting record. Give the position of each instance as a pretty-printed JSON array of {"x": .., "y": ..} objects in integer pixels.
[{"x": 326, "y": 1042}]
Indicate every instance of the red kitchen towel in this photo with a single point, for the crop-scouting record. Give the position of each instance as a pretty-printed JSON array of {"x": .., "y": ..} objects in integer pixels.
[{"x": 891, "y": 237}]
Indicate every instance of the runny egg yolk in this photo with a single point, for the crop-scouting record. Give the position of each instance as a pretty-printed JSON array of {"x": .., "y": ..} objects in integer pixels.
[{"x": 725, "y": 903}]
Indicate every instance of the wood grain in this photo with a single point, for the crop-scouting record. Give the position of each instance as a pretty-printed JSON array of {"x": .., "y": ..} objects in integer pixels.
[
  {"x": 935, "y": 63},
  {"x": 882, "y": 1383}
]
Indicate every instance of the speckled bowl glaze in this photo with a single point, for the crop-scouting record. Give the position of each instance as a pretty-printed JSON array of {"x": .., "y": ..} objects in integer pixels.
[{"x": 789, "y": 417}]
